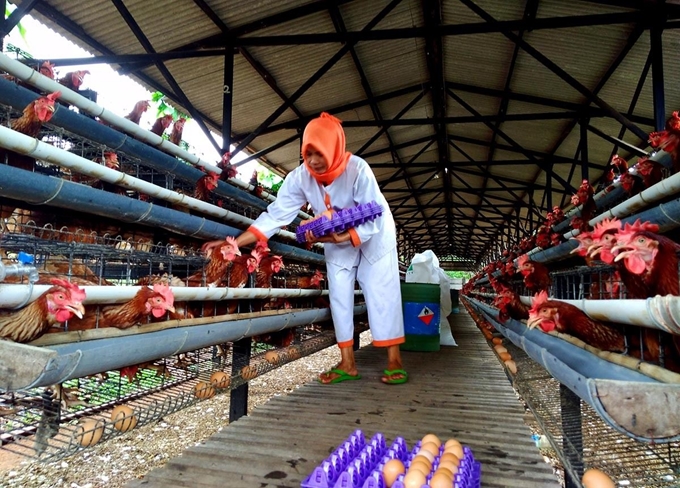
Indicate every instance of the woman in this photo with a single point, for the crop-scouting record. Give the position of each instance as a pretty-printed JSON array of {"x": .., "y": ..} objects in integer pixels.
[{"x": 332, "y": 177}]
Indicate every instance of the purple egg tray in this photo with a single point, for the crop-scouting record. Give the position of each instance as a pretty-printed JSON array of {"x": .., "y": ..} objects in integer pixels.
[
  {"x": 342, "y": 219},
  {"x": 356, "y": 463}
]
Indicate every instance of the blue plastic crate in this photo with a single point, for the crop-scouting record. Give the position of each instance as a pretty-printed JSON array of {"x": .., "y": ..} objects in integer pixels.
[
  {"x": 356, "y": 463},
  {"x": 340, "y": 221}
]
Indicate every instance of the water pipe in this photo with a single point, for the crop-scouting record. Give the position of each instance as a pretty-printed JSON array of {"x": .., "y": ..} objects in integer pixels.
[
  {"x": 38, "y": 189},
  {"x": 45, "y": 366},
  {"x": 12, "y": 294}
]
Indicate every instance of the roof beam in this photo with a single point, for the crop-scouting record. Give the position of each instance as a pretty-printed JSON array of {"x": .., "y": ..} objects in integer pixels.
[
  {"x": 570, "y": 80},
  {"x": 432, "y": 14},
  {"x": 340, "y": 27},
  {"x": 144, "y": 41},
  {"x": 65, "y": 23},
  {"x": 316, "y": 76},
  {"x": 563, "y": 22},
  {"x": 302, "y": 122},
  {"x": 15, "y": 17},
  {"x": 409, "y": 164},
  {"x": 567, "y": 186},
  {"x": 257, "y": 66}
]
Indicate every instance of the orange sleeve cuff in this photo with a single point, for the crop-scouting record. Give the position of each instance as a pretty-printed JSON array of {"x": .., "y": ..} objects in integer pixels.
[
  {"x": 354, "y": 238},
  {"x": 260, "y": 236}
]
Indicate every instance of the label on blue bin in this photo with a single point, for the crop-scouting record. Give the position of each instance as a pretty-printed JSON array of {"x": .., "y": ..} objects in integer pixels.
[{"x": 421, "y": 318}]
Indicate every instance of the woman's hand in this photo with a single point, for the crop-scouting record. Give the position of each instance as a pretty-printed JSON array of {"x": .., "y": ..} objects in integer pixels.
[
  {"x": 210, "y": 245},
  {"x": 332, "y": 238}
]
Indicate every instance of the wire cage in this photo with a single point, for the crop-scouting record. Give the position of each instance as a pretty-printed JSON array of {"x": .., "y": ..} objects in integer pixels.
[
  {"x": 59, "y": 421},
  {"x": 581, "y": 439}
]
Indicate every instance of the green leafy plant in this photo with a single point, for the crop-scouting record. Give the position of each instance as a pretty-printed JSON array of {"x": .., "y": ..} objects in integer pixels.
[
  {"x": 165, "y": 108},
  {"x": 19, "y": 27}
]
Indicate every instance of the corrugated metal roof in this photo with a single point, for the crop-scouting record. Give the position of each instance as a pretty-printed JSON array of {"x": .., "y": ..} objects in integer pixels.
[{"x": 475, "y": 68}]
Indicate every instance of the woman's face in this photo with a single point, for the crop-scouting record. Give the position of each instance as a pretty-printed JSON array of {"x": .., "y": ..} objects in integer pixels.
[{"x": 316, "y": 161}]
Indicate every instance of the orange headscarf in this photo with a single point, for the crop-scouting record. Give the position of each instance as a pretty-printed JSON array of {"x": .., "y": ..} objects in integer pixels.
[{"x": 326, "y": 135}]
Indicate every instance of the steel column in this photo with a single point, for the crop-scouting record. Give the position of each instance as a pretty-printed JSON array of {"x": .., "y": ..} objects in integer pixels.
[
  {"x": 15, "y": 17},
  {"x": 584, "y": 149},
  {"x": 238, "y": 397},
  {"x": 658, "y": 92},
  {"x": 227, "y": 100}
]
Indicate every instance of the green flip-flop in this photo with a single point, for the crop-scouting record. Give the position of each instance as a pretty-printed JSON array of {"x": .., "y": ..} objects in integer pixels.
[
  {"x": 342, "y": 376},
  {"x": 395, "y": 381}
]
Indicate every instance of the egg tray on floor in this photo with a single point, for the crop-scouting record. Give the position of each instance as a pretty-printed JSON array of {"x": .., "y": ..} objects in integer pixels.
[
  {"x": 356, "y": 463},
  {"x": 341, "y": 220}
]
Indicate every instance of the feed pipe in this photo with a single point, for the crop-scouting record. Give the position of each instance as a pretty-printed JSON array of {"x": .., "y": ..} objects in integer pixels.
[
  {"x": 659, "y": 312},
  {"x": 33, "y": 77},
  {"x": 37, "y": 189},
  {"x": 613, "y": 192},
  {"x": 583, "y": 372},
  {"x": 12, "y": 294},
  {"x": 19, "y": 97},
  {"x": 78, "y": 359},
  {"x": 30, "y": 146},
  {"x": 666, "y": 215}
]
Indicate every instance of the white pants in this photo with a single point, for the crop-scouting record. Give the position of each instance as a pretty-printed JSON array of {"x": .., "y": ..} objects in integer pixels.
[{"x": 382, "y": 292}]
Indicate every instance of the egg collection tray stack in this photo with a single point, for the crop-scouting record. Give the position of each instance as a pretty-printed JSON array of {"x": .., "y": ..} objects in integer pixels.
[
  {"x": 356, "y": 463},
  {"x": 340, "y": 221}
]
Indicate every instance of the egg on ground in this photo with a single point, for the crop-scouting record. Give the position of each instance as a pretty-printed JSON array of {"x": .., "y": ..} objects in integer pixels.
[
  {"x": 89, "y": 432},
  {"x": 220, "y": 379},
  {"x": 123, "y": 418},
  {"x": 272, "y": 357},
  {"x": 248, "y": 372},
  {"x": 594, "y": 478},
  {"x": 203, "y": 390}
]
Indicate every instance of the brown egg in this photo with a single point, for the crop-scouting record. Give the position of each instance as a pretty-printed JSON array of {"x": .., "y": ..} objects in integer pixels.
[
  {"x": 430, "y": 447},
  {"x": 497, "y": 340},
  {"x": 457, "y": 450},
  {"x": 123, "y": 418},
  {"x": 499, "y": 349},
  {"x": 414, "y": 479},
  {"x": 594, "y": 478},
  {"x": 446, "y": 471},
  {"x": 391, "y": 470},
  {"x": 272, "y": 357},
  {"x": 220, "y": 379},
  {"x": 420, "y": 466},
  {"x": 511, "y": 365},
  {"x": 431, "y": 438},
  {"x": 450, "y": 443},
  {"x": 89, "y": 432},
  {"x": 203, "y": 390},
  {"x": 505, "y": 356},
  {"x": 441, "y": 480},
  {"x": 427, "y": 455},
  {"x": 248, "y": 372},
  {"x": 449, "y": 456},
  {"x": 293, "y": 353}
]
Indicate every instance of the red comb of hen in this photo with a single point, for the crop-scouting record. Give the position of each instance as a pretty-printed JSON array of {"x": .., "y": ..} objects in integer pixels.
[
  {"x": 630, "y": 230},
  {"x": 165, "y": 292},
  {"x": 539, "y": 299},
  {"x": 53, "y": 96},
  {"x": 606, "y": 225},
  {"x": 76, "y": 292}
]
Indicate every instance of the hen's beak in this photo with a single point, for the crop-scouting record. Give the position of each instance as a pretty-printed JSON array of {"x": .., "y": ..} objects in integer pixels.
[
  {"x": 621, "y": 253},
  {"x": 532, "y": 322},
  {"x": 594, "y": 250},
  {"x": 171, "y": 309},
  {"x": 576, "y": 249},
  {"x": 78, "y": 310}
]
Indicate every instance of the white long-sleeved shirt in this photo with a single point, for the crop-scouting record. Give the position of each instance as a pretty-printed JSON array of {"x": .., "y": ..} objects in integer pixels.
[{"x": 356, "y": 185}]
